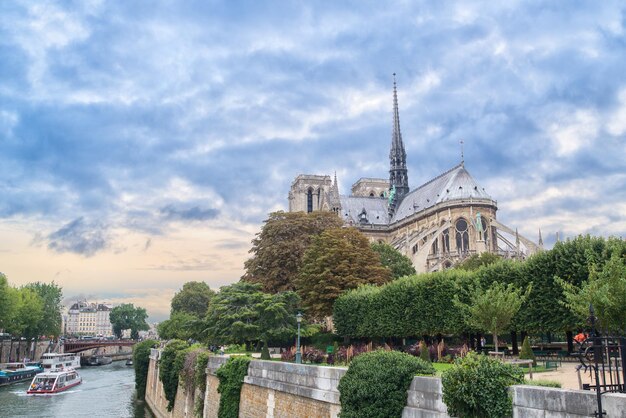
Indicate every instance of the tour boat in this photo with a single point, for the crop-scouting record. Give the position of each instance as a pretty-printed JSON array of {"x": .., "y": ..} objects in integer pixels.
[
  {"x": 54, "y": 361},
  {"x": 54, "y": 382},
  {"x": 18, "y": 372}
]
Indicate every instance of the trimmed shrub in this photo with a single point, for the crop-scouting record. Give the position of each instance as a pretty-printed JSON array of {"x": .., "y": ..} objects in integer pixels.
[
  {"x": 376, "y": 384},
  {"x": 527, "y": 353},
  {"x": 141, "y": 363},
  {"x": 313, "y": 355},
  {"x": 265, "y": 352},
  {"x": 169, "y": 369},
  {"x": 230, "y": 375},
  {"x": 477, "y": 387}
]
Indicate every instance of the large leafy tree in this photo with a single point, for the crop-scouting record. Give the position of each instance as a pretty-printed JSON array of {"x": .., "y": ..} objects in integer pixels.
[
  {"x": 179, "y": 326},
  {"x": 399, "y": 264},
  {"x": 492, "y": 309},
  {"x": 28, "y": 313},
  {"x": 338, "y": 260},
  {"x": 605, "y": 290},
  {"x": 127, "y": 316},
  {"x": 8, "y": 303},
  {"x": 52, "y": 298},
  {"x": 277, "y": 250},
  {"x": 193, "y": 298},
  {"x": 241, "y": 313},
  {"x": 475, "y": 261}
]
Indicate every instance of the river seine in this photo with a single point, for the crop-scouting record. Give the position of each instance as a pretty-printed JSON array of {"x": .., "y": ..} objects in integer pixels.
[{"x": 106, "y": 391}]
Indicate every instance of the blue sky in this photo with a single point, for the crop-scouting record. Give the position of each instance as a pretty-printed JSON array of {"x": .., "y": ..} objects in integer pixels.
[{"x": 143, "y": 143}]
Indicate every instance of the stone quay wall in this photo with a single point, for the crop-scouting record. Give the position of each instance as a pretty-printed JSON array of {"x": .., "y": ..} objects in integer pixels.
[{"x": 277, "y": 389}]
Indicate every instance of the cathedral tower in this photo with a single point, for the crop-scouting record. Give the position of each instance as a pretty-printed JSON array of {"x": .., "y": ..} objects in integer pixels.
[{"x": 398, "y": 176}]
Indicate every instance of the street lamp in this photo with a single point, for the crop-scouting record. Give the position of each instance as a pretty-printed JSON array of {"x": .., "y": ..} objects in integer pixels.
[{"x": 298, "y": 354}]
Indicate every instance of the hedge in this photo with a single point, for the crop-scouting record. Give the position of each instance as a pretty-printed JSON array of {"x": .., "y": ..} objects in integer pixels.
[
  {"x": 376, "y": 384},
  {"x": 410, "y": 306}
]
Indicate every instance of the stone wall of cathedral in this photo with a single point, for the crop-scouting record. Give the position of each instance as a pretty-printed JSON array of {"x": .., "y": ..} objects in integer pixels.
[
  {"x": 442, "y": 236},
  {"x": 370, "y": 187},
  {"x": 310, "y": 193}
]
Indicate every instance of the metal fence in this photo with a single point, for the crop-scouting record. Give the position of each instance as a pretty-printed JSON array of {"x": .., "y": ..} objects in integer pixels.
[{"x": 604, "y": 356}]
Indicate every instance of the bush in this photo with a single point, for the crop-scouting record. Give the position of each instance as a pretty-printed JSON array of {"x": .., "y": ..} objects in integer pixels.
[
  {"x": 527, "y": 353},
  {"x": 289, "y": 354},
  {"x": 230, "y": 375},
  {"x": 376, "y": 384},
  {"x": 313, "y": 355},
  {"x": 544, "y": 383},
  {"x": 476, "y": 387},
  {"x": 141, "y": 363},
  {"x": 169, "y": 369}
]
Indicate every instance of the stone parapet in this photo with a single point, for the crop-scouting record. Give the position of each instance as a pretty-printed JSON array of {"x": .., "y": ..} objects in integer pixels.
[
  {"x": 425, "y": 399},
  {"x": 309, "y": 381},
  {"x": 214, "y": 363}
]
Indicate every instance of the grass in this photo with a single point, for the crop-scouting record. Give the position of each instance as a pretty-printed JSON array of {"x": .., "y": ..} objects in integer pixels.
[{"x": 440, "y": 367}]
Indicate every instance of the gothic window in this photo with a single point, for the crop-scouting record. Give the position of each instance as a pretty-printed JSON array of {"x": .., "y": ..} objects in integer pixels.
[
  {"x": 415, "y": 248},
  {"x": 382, "y": 194},
  {"x": 319, "y": 195},
  {"x": 371, "y": 194},
  {"x": 435, "y": 247},
  {"x": 309, "y": 201},
  {"x": 482, "y": 235},
  {"x": 445, "y": 241},
  {"x": 462, "y": 235}
]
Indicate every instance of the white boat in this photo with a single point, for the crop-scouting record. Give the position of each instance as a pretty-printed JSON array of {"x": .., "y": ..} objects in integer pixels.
[
  {"x": 55, "y": 361},
  {"x": 54, "y": 382}
]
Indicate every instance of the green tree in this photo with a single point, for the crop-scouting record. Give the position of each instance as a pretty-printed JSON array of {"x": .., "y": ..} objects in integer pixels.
[
  {"x": 126, "y": 316},
  {"x": 179, "y": 326},
  {"x": 605, "y": 290},
  {"x": 338, "y": 260},
  {"x": 193, "y": 298},
  {"x": 8, "y": 303},
  {"x": 277, "y": 250},
  {"x": 475, "y": 261},
  {"x": 28, "y": 313},
  {"x": 241, "y": 313},
  {"x": 492, "y": 309},
  {"x": 52, "y": 298},
  {"x": 399, "y": 264}
]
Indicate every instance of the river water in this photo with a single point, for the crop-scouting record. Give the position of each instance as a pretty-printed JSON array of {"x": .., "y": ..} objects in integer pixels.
[{"x": 106, "y": 391}]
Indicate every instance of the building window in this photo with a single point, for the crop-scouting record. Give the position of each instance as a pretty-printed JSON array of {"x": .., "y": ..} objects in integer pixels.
[
  {"x": 309, "y": 201},
  {"x": 445, "y": 240},
  {"x": 462, "y": 236},
  {"x": 415, "y": 248},
  {"x": 435, "y": 247}
]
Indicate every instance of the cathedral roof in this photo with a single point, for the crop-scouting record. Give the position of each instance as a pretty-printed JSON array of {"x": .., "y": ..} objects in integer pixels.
[
  {"x": 375, "y": 209},
  {"x": 454, "y": 184}
]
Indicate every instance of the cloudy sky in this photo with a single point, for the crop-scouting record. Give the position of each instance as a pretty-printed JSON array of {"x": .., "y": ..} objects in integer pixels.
[{"x": 143, "y": 143}]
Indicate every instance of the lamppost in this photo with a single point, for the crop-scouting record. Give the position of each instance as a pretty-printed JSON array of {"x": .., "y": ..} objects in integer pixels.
[{"x": 298, "y": 354}]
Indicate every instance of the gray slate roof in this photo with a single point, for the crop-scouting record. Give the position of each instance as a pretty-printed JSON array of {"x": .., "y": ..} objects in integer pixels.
[
  {"x": 376, "y": 208},
  {"x": 454, "y": 184}
]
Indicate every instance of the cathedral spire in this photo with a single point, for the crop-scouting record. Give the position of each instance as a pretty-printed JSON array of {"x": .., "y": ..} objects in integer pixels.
[
  {"x": 540, "y": 239},
  {"x": 398, "y": 176}
]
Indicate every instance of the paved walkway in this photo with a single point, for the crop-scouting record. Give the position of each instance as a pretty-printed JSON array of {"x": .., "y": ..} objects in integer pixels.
[{"x": 565, "y": 374}]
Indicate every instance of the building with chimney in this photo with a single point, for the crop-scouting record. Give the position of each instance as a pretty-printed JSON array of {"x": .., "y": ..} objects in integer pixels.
[
  {"x": 88, "y": 319},
  {"x": 437, "y": 224}
]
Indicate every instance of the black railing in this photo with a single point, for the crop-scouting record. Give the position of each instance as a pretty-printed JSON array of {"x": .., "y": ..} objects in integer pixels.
[{"x": 604, "y": 356}]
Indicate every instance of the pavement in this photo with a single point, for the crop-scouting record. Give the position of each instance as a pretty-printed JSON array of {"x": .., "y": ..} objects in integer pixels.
[{"x": 565, "y": 374}]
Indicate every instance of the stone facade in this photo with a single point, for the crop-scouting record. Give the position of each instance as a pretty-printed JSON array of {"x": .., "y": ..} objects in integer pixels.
[{"x": 367, "y": 187}]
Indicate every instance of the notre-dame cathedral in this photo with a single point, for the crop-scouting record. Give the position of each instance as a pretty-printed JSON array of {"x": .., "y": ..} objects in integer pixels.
[{"x": 436, "y": 225}]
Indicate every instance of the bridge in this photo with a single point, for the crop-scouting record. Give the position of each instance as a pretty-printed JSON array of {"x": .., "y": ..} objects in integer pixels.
[{"x": 76, "y": 346}]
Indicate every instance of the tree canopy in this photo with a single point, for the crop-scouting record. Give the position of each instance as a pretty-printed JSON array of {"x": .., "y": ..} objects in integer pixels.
[
  {"x": 193, "y": 298},
  {"x": 605, "y": 290},
  {"x": 241, "y": 313},
  {"x": 399, "y": 264},
  {"x": 278, "y": 250},
  {"x": 179, "y": 326},
  {"x": 338, "y": 260},
  {"x": 52, "y": 303},
  {"x": 492, "y": 309},
  {"x": 127, "y": 316}
]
